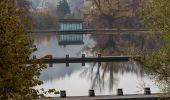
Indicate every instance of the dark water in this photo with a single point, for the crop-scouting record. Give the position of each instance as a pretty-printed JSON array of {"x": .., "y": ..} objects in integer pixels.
[{"x": 104, "y": 79}]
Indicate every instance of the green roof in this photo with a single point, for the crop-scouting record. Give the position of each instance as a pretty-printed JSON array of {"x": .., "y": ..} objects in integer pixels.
[{"x": 70, "y": 20}]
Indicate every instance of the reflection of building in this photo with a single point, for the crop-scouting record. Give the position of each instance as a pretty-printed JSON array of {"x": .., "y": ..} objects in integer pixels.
[
  {"x": 70, "y": 24},
  {"x": 70, "y": 39}
]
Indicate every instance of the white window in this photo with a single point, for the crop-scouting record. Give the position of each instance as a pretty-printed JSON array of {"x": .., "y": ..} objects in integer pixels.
[
  {"x": 62, "y": 26},
  {"x": 81, "y": 27}
]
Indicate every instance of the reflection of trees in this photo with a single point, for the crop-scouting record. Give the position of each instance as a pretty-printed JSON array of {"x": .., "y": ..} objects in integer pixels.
[
  {"x": 109, "y": 45},
  {"x": 121, "y": 44},
  {"x": 116, "y": 44},
  {"x": 107, "y": 75},
  {"x": 40, "y": 37}
]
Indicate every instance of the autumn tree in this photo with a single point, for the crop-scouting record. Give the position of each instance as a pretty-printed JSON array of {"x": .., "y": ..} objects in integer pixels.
[
  {"x": 156, "y": 62},
  {"x": 103, "y": 10},
  {"x": 114, "y": 13},
  {"x": 16, "y": 78}
]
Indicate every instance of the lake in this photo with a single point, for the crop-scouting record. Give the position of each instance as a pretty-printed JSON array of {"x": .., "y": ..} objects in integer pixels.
[{"x": 105, "y": 79}]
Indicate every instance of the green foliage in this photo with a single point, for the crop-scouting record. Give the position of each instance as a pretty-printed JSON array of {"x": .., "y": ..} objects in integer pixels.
[
  {"x": 63, "y": 8},
  {"x": 156, "y": 16},
  {"x": 16, "y": 78}
]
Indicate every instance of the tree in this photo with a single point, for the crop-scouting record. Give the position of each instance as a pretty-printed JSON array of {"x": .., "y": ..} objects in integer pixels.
[
  {"x": 156, "y": 16},
  {"x": 44, "y": 20},
  {"x": 114, "y": 13},
  {"x": 63, "y": 9},
  {"x": 104, "y": 10},
  {"x": 16, "y": 78}
]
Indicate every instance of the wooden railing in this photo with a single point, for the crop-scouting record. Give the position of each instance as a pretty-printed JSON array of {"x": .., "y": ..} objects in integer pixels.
[{"x": 83, "y": 59}]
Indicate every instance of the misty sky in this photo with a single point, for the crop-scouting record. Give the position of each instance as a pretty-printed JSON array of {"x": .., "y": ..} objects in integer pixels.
[{"x": 41, "y": 3}]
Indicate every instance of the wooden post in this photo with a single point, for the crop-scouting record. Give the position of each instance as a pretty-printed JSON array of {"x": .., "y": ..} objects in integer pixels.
[
  {"x": 83, "y": 57},
  {"x": 99, "y": 57},
  {"x": 34, "y": 57},
  {"x": 34, "y": 46},
  {"x": 51, "y": 64},
  {"x": 120, "y": 92},
  {"x": 67, "y": 63},
  {"x": 34, "y": 93},
  {"x": 147, "y": 91},
  {"x": 91, "y": 93},
  {"x": 63, "y": 94}
]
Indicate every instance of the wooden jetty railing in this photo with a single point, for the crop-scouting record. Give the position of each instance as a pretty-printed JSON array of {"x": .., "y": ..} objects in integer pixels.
[
  {"x": 83, "y": 59},
  {"x": 147, "y": 95}
]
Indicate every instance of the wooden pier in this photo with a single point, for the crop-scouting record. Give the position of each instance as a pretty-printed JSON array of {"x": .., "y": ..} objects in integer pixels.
[
  {"x": 84, "y": 59},
  {"x": 112, "y": 97},
  {"x": 120, "y": 96}
]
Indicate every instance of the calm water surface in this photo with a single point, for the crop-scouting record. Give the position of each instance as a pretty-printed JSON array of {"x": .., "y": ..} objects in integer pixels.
[{"x": 104, "y": 79}]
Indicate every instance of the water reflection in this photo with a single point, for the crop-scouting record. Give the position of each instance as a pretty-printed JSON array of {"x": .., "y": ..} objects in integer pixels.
[
  {"x": 41, "y": 38},
  {"x": 117, "y": 44},
  {"x": 108, "y": 74},
  {"x": 51, "y": 43},
  {"x": 70, "y": 39},
  {"x": 114, "y": 45},
  {"x": 59, "y": 71},
  {"x": 104, "y": 78}
]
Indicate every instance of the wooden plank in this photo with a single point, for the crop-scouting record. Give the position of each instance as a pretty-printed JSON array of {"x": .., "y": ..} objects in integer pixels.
[
  {"x": 86, "y": 59},
  {"x": 112, "y": 97}
]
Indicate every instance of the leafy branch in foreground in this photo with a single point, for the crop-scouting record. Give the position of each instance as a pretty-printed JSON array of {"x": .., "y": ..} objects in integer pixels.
[
  {"x": 17, "y": 79},
  {"x": 156, "y": 16}
]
